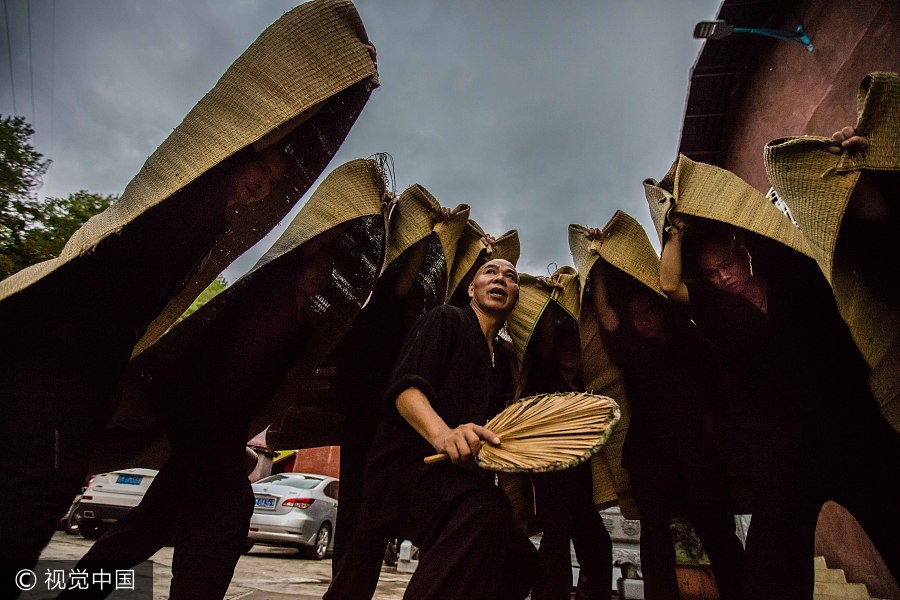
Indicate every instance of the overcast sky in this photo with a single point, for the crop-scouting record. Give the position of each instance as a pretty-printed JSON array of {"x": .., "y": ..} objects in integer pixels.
[{"x": 537, "y": 114}]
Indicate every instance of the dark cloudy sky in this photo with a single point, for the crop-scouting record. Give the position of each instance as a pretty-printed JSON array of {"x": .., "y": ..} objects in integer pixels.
[{"x": 538, "y": 114}]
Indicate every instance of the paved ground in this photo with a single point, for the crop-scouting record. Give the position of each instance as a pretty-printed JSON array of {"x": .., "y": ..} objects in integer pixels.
[{"x": 264, "y": 573}]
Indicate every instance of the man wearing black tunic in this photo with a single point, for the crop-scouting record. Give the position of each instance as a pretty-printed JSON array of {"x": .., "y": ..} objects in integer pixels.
[
  {"x": 671, "y": 460},
  {"x": 809, "y": 424},
  {"x": 58, "y": 372},
  {"x": 214, "y": 382},
  {"x": 452, "y": 374}
]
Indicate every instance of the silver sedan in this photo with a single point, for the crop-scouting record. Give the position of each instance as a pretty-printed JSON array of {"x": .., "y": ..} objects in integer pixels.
[{"x": 297, "y": 510}]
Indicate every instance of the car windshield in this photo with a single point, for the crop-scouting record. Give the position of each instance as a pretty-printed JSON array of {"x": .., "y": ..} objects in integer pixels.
[{"x": 299, "y": 482}]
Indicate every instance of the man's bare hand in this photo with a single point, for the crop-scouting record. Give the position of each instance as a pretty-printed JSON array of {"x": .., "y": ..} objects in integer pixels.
[
  {"x": 488, "y": 240},
  {"x": 594, "y": 233},
  {"x": 373, "y": 53},
  {"x": 462, "y": 444},
  {"x": 442, "y": 215},
  {"x": 846, "y": 139},
  {"x": 677, "y": 223}
]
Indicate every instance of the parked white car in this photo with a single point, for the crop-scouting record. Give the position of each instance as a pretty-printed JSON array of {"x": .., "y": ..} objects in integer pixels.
[
  {"x": 297, "y": 510},
  {"x": 109, "y": 497}
]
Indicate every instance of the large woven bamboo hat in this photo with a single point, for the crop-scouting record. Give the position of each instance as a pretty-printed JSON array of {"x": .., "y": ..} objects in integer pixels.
[
  {"x": 472, "y": 253},
  {"x": 300, "y": 85},
  {"x": 624, "y": 244},
  {"x": 415, "y": 217},
  {"x": 611, "y": 485},
  {"x": 702, "y": 190},
  {"x": 817, "y": 184},
  {"x": 535, "y": 295},
  {"x": 348, "y": 213}
]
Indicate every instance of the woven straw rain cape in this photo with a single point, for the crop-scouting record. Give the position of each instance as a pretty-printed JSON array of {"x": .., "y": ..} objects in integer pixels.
[
  {"x": 472, "y": 253},
  {"x": 702, "y": 190},
  {"x": 624, "y": 245},
  {"x": 535, "y": 295},
  {"x": 817, "y": 186},
  {"x": 315, "y": 416},
  {"x": 413, "y": 219},
  {"x": 301, "y": 85},
  {"x": 347, "y": 211}
]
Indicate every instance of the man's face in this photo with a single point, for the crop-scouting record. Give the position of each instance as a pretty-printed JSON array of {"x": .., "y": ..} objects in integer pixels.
[
  {"x": 724, "y": 269},
  {"x": 315, "y": 274},
  {"x": 255, "y": 179},
  {"x": 646, "y": 317},
  {"x": 495, "y": 288}
]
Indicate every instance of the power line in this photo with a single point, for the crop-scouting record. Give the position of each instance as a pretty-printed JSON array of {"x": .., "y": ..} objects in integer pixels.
[
  {"x": 12, "y": 81},
  {"x": 52, "y": 67},
  {"x": 30, "y": 63}
]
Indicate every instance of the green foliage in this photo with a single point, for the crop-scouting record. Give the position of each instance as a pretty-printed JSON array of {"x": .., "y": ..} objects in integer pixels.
[
  {"x": 33, "y": 230},
  {"x": 212, "y": 290},
  {"x": 688, "y": 549},
  {"x": 21, "y": 169}
]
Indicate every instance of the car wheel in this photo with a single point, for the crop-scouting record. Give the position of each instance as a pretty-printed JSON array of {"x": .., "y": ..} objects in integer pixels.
[
  {"x": 320, "y": 544},
  {"x": 91, "y": 529},
  {"x": 73, "y": 524}
]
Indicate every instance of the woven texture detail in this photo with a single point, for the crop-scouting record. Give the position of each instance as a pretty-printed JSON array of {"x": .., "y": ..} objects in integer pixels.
[
  {"x": 414, "y": 218},
  {"x": 549, "y": 432},
  {"x": 472, "y": 253},
  {"x": 817, "y": 185},
  {"x": 702, "y": 190},
  {"x": 624, "y": 245}
]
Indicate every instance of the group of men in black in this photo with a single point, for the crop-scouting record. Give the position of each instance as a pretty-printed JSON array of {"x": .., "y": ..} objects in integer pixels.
[{"x": 747, "y": 330}]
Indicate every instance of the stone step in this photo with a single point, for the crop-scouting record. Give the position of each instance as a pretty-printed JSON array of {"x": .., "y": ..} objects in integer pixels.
[
  {"x": 841, "y": 590},
  {"x": 830, "y": 597},
  {"x": 819, "y": 562},
  {"x": 830, "y": 576}
]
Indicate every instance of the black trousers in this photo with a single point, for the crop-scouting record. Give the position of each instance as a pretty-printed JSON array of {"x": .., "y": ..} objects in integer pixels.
[
  {"x": 566, "y": 511},
  {"x": 469, "y": 546},
  {"x": 205, "y": 512},
  {"x": 850, "y": 457},
  {"x": 51, "y": 410},
  {"x": 713, "y": 523}
]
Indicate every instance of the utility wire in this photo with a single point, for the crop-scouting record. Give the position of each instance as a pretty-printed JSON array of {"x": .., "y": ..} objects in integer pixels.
[
  {"x": 30, "y": 63},
  {"x": 12, "y": 81},
  {"x": 52, "y": 66}
]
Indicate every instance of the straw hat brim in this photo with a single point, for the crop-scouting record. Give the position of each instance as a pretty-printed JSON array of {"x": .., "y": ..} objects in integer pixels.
[
  {"x": 472, "y": 252},
  {"x": 702, "y": 190},
  {"x": 624, "y": 245}
]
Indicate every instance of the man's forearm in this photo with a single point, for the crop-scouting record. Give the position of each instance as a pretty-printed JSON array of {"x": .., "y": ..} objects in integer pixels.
[{"x": 414, "y": 406}]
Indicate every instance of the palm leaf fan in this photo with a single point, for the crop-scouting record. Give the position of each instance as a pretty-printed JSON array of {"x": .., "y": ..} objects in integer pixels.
[{"x": 547, "y": 432}]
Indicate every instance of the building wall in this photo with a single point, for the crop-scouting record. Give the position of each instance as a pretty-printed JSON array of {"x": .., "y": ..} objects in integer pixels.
[
  {"x": 785, "y": 90},
  {"x": 325, "y": 460},
  {"x": 789, "y": 91}
]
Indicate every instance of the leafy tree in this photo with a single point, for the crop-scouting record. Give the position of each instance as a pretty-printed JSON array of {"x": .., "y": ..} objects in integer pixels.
[
  {"x": 21, "y": 169},
  {"x": 52, "y": 222},
  {"x": 33, "y": 230}
]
